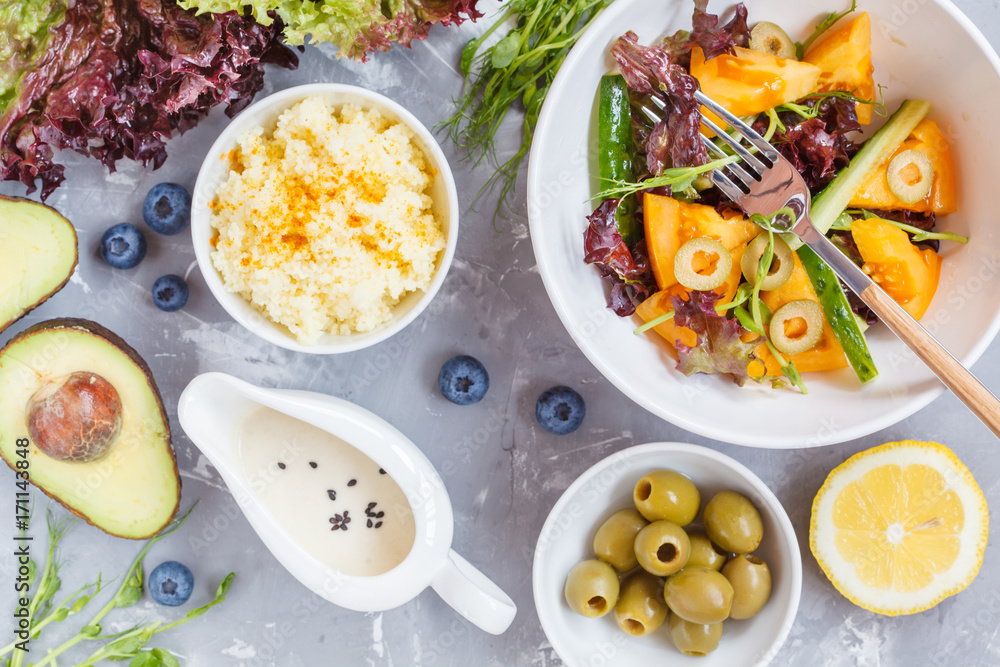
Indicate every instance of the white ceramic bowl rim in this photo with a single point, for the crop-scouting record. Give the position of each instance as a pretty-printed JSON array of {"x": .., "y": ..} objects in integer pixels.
[
  {"x": 207, "y": 181},
  {"x": 557, "y": 284},
  {"x": 771, "y": 505}
]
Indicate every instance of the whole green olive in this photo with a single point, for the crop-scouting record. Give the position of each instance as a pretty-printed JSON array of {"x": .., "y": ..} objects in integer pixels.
[
  {"x": 732, "y": 522},
  {"x": 614, "y": 542},
  {"x": 592, "y": 588},
  {"x": 751, "y": 582},
  {"x": 699, "y": 594},
  {"x": 662, "y": 548},
  {"x": 640, "y": 609},
  {"x": 665, "y": 494},
  {"x": 704, "y": 553},
  {"x": 695, "y": 639}
]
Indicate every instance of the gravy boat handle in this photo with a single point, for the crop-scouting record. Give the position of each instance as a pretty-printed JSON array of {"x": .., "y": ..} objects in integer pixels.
[{"x": 471, "y": 593}]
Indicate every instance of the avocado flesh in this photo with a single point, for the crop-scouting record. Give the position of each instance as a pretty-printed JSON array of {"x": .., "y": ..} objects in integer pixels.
[
  {"x": 37, "y": 256},
  {"x": 134, "y": 490}
]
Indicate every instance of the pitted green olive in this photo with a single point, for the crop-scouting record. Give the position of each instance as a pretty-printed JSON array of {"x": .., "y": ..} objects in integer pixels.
[
  {"x": 699, "y": 594},
  {"x": 732, "y": 522},
  {"x": 704, "y": 553},
  {"x": 614, "y": 542},
  {"x": 592, "y": 588},
  {"x": 665, "y": 494},
  {"x": 640, "y": 609},
  {"x": 662, "y": 548},
  {"x": 751, "y": 582},
  {"x": 694, "y": 639}
]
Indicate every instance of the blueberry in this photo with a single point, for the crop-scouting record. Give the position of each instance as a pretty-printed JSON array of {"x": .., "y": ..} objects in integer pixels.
[
  {"x": 560, "y": 410},
  {"x": 167, "y": 209},
  {"x": 170, "y": 293},
  {"x": 170, "y": 583},
  {"x": 123, "y": 246},
  {"x": 463, "y": 380}
]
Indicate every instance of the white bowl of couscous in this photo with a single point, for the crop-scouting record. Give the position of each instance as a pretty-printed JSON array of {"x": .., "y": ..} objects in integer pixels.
[{"x": 325, "y": 218}]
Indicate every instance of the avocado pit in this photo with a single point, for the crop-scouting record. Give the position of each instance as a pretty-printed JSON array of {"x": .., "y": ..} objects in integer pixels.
[{"x": 76, "y": 417}]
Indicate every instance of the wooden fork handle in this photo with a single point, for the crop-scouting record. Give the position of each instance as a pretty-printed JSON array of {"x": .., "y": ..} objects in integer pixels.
[{"x": 955, "y": 376}]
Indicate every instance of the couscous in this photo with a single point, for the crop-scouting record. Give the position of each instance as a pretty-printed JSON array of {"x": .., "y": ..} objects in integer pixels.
[{"x": 326, "y": 224}]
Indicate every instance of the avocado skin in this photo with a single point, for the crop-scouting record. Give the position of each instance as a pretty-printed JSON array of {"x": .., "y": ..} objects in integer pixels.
[
  {"x": 118, "y": 342},
  {"x": 76, "y": 255}
]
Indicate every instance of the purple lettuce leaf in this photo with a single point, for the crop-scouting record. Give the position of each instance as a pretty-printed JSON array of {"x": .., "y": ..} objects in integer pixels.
[
  {"x": 627, "y": 270},
  {"x": 675, "y": 141},
  {"x": 720, "y": 347},
  {"x": 818, "y": 147},
  {"x": 412, "y": 22},
  {"x": 117, "y": 77},
  {"x": 706, "y": 33},
  {"x": 713, "y": 39}
]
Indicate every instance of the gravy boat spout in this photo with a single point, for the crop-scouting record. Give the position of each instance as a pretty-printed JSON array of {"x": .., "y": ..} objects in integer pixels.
[{"x": 212, "y": 410}]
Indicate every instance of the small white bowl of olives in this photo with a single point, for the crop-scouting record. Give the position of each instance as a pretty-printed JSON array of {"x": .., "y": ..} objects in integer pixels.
[{"x": 667, "y": 550}]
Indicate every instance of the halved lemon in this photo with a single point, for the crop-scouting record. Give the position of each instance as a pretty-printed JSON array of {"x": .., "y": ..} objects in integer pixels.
[{"x": 900, "y": 527}]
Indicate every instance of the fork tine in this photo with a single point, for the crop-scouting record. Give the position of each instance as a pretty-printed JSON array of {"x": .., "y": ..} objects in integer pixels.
[
  {"x": 735, "y": 168},
  {"x": 749, "y": 158},
  {"x": 724, "y": 183},
  {"x": 650, "y": 114},
  {"x": 748, "y": 132}
]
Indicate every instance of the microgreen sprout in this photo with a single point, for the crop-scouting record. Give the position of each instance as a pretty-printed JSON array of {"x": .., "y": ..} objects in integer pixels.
[
  {"x": 517, "y": 71},
  {"x": 679, "y": 178},
  {"x": 843, "y": 223},
  {"x": 126, "y": 645},
  {"x": 822, "y": 27}
]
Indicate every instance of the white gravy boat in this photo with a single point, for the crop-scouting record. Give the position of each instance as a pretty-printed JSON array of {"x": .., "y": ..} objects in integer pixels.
[{"x": 210, "y": 411}]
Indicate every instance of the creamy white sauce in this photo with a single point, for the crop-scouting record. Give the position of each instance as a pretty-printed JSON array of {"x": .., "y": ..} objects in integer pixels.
[{"x": 304, "y": 475}]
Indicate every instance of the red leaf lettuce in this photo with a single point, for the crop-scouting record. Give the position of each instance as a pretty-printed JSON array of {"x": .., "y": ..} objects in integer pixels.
[{"x": 113, "y": 79}]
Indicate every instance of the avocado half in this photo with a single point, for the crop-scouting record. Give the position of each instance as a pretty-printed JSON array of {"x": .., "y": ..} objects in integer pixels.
[
  {"x": 38, "y": 253},
  {"x": 132, "y": 489}
]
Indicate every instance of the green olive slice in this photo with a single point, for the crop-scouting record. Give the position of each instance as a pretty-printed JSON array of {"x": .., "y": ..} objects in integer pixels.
[
  {"x": 910, "y": 175},
  {"x": 796, "y": 326},
  {"x": 782, "y": 262},
  {"x": 692, "y": 254},
  {"x": 770, "y": 38}
]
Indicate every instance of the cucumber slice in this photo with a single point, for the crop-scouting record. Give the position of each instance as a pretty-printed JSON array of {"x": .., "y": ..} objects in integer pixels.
[
  {"x": 616, "y": 149},
  {"x": 839, "y": 314},
  {"x": 831, "y": 202}
]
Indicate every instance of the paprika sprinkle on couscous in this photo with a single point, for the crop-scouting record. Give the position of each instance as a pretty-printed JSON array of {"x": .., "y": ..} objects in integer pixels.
[{"x": 327, "y": 224}]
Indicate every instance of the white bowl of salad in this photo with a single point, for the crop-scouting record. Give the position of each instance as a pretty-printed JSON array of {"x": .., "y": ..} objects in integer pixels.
[{"x": 665, "y": 285}]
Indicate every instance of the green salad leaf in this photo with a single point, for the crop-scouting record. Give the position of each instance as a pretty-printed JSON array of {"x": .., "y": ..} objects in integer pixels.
[{"x": 355, "y": 27}]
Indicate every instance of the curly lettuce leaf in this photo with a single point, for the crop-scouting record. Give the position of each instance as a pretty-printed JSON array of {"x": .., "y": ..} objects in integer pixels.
[
  {"x": 627, "y": 270},
  {"x": 676, "y": 140},
  {"x": 113, "y": 79},
  {"x": 719, "y": 347},
  {"x": 706, "y": 32},
  {"x": 355, "y": 27}
]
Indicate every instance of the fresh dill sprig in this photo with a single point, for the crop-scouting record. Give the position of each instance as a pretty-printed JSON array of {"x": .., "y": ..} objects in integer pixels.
[{"x": 516, "y": 72}]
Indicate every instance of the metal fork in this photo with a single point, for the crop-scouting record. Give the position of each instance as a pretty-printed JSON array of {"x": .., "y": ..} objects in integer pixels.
[{"x": 764, "y": 182}]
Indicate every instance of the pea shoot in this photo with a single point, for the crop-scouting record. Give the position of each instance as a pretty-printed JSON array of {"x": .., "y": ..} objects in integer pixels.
[
  {"x": 517, "y": 71},
  {"x": 129, "y": 644}
]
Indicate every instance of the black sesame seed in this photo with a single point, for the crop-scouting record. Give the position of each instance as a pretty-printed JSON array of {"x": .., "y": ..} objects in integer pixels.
[
  {"x": 381, "y": 471},
  {"x": 380, "y": 515},
  {"x": 332, "y": 494},
  {"x": 378, "y": 525},
  {"x": 333, "y": 520},
  {"x": 352, "y": 482},
  {"x": 369, "y": 523},
  {"x": 312, "y": 464},
  {"x": 281, "y": 465},
  {"x": 335, "y": 526},
  {"x": 372, "y": 504}
]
